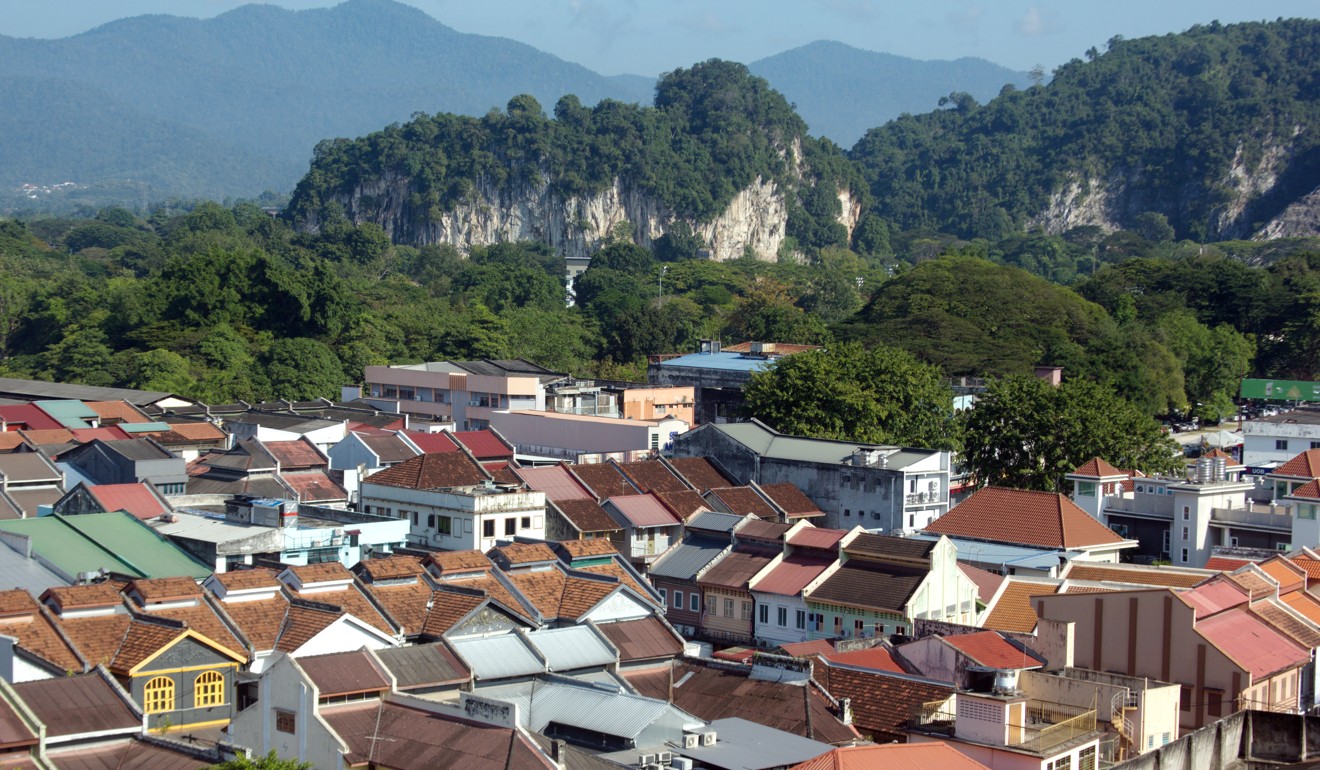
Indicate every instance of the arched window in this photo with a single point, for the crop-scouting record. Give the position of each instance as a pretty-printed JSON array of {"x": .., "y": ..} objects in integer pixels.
[
  {"x": 209, "y": 689},
  {"x": 158, "y": 695}
]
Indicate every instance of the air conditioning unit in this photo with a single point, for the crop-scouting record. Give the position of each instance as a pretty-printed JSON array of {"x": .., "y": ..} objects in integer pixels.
[
  {"x": 708, "y": 738},
  {"x": 663, "y": 758},
  {"x": 681, "y": 763},
  {"x": 646, "y": 759},
  {"x": 691, "y": 740}
]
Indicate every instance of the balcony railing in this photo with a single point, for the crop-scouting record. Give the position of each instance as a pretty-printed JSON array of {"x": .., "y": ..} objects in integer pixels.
[
  {"x": 924, "y": 498},
  {"x": 1050, "y": 724},
  {"x": 1253, "y": 517},
  {"x": 934, "y": 716}
]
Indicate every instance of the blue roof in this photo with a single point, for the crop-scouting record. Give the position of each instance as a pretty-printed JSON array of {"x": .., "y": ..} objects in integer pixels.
[
  {"x": 1002, "y": 554},
  {"x": 734, "y": 362}
]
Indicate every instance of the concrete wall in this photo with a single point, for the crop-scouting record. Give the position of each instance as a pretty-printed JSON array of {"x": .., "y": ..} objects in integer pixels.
[{"x": 284, "y": 688}]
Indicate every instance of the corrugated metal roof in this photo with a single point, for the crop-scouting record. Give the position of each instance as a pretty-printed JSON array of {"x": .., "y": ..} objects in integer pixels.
[
  {"x": 499, "y": 657},
  {"x": 70, "y": 414},
  {"x": 683, "y": 561},
  {"x": 597, "y": 708},
  {"x": 770, "y": 443},
  {"x": 643, "y": 510},
  {"x": 116, "y": 541},
  {"x": 422, "y": 665},
  {"x": 555, "y": 481},
  {"x": 744, "y": 745},
  {"x": 791, "y": 575},
  {"x": 573, "y": 647},
  {"x": 714, "y": 521}
]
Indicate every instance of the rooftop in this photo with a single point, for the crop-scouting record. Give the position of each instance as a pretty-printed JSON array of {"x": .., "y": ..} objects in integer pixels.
[
  {"x": 768, "y": 442},
  {"x": 115, "y": 541},
  {"x": 1024, "y": 517}
]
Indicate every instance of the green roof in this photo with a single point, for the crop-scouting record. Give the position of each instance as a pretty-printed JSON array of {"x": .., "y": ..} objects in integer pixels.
[
  {"x": 117, "y": 542},
  {"x": 70, "y": 414}
]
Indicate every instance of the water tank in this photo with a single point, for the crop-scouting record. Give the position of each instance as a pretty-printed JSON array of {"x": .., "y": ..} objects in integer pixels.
[
  {"x": 1006, "y": 681},
  {"x": 1204, "y": 470},
  {"x": 1221, "y": 468}
]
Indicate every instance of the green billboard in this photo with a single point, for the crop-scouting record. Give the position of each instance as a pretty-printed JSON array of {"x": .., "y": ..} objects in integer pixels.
[{"x": 1281, "y": 390}]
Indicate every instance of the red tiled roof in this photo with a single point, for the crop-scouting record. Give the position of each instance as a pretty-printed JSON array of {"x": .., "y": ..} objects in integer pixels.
[
  {"x": 817, "y": 537},
  {"x": 483, "y": 444},
  {"x": 555, "y": 481},
  {"x": 782, "y": 348},
  {"x": 820, "y": 647},
  {"x": 314, "y": 486},
  {"x": 196, "y": 431},
  {"x": 767, "y": 531},
  {"x": 10, "y": 440},
  {"x": 432, "y": 471},
  {"x": 700, "y": 473},
  {"x": 390, "y": 567},
  {"x": 1308, "y": 491},
  {"x": 604, "y": 480},
  {"x": 112, "y": 433},
  {"x": 791, "y": 575},
  {"x": 1132, "y": 573},
  {"x": 991, "y": 650},
  {"x": 586, "y": 515},
  {"x": 1012, "y": 611},
  {"x": 1225, "y": 564},
  {"x": 643, "y": 510},
  {"x": 502, "y": 472},
  {"x": 1289, "y": 576},
  {"x": 652, "y": 476},
  {"x": 22, "y": 618},
  {"x": 48, "y": 436},
  {"x": 138, "y": 499},
  {"x": 596, "y": 546},
  {"x": 876, "y": 658},
  {"x": 1312, "y": 566},
  {"x": 742, "y": 501},
  {"x": 239, "y": 580},
  {"x": 986, "y": 582},
  {"x": 790, "y": 498},
  {"x": 1251, "y": 644},
  {"x": 1305, "y": 465},
  {"x": 893, "y": 756},
  {"x": 1098, "y": 468},
  {"x": 1023, "y": 517},
  {"x": 450, "y": 562},
  {"x": 525, "y": 553},
  {"x": 119, "y": 411},
  {"x": 881, "y": 701},
  {"x": 432, "y": 443},
  {"x": 684, "y": 504}
]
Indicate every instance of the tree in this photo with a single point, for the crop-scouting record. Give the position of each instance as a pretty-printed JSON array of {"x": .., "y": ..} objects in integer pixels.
[
  {"x": 878, "y": 396},
  {"x": 767, "y": 313},
  {"x": 269, "y": 762},
  {"x": 1027, "y": 434},
  {"x": 302, "y": 369}
]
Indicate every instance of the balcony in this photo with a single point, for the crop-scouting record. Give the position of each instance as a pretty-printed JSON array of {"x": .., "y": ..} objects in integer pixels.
[
  {"x": 924, "y": 498},
  {"x": 1049, "y": 725},
  {"x": 1267, "y": 517}
]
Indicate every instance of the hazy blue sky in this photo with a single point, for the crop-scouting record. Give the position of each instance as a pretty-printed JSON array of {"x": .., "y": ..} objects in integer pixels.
[{"x": 646, "y": 37}]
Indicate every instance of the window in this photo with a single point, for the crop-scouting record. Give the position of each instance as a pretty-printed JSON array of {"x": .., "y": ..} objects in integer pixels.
[
  {"x": 1305, "y": 511},
  {"x": 728, "y": 608},
  {"x": 847, "y": 512},
  {"x": 694, "y": 602},
  {"x": 782, "y": 617},
  {"x": 1281, "y": 444},
  {"x": 664, "y": 596},
  {"x": 1186, "y": 533},
  {"x": 1086, "y": 758},
  {"x": 1183, "y": 556},
  {"x": 1214, "y": 702},
  {"x": 746, "y": 610},
  {"x": 510, "y": 526},
  {"x": 285, "y": 721},
  {"x": 678, "y": 600},
  {"x": 859, "y": 628},
  {"x": 712, "y": 605},
  {"x": 414, "y": 516},
  {"x": 1086, "y": 488},
  {"x": 838, "y": 626},
  {"x": 209, "y": 689},
  {"x": 1185, "y": 698},
  {"x": 443, "y": 524},
  {"x": 488, "y": 528},
  {"x": 655, "y": 441},
  {"x": 1062, "y": 763},
  {"x": 525, "y": 522},
  {"x": 763, "y": 613},
  {"x": 158, "y": 695},
  {"x": 801, "y": 619},
  {"x": 430, "y": 520},
  {"x": 1315, "y": 444},
  {"x": 1187, "y": 513}
]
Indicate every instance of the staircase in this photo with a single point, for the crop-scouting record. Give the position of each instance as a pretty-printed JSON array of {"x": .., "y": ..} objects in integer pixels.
[{"x": 1125, "y": 702}]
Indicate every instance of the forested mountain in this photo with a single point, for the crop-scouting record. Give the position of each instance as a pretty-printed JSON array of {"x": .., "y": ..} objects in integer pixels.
[
  {"x": 237, "y": 102},
  {"x": 1212, "y": 132},
  {"x": 721, "y": 155},
  {"x": 842, "y": 92}
]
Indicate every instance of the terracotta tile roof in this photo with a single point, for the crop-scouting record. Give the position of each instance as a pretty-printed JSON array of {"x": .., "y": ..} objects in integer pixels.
[
  {"x": 260, "y": 620},
  {"x": 557, "y": 595},
  {"x": 314, "y": 486},
  {"x": 618, "y": 573},
  {"x": 352, "y": 600},
  {"x": 737, "y": 567},
  {"x": 390, "y": 567},
  {"x": 683, "y": 504},
  {"x": 138, "y": 499},
  {"x": 10, "y": 439},
  {"x": 483, "y": 444},
  {"x": 92, "y": 595},
  {"x": 1279, "y": 619},
  {"x": 767, "y": 532},
  {"x": 1139, "y": 575},
  {"x": 117, "y": 411},
  {"x": 204, "y": 621},
  {"x": 596, "y": 546},
  {"x": 1251, "y": 644},
  {"x": 876, "y": 658},
  {"x": 239, "y": 580},
  {"x": 555, "y": 481},
  {"x": 1012, "y": 611},
  {"x": 87, "y": 435},
  {"x": 791, "y": 499},
  {"x": 301, "y": 623},
  {"x": 1217, "y": 453},
  {"x": 1256, "y": 585},
  {"x": 1023, "y": 517},
  {"x": 515, "y": 554},
  {"x": 1097, "y": 468},
  {"x": 325, "y": 572},
  {"x": 447, "y": 609},
  {"x": 494, "y": 589},
  {"x": 191, "y": 432},
  {"x": 742, "y": 501},
  {"x": 820, "y": 647},
  {"x": 1305, "y": 604},
  {"x": 1312, "y": 566},
  {"x": 892, "y": 548},
  {"x": 711, "y": 693},
  {"x": 142, "y": 640},
  {"x": 48, "y": 436},
  {"x": 441, "y": 442},
  {"x": 652, "y": 476},
  {"x": 881, "y": 701},
  {"x": 457, "y": 561},
  {"x": 432, "y": 471},
  {"x": 1305, "y": 465},
  {"x": 22, "y": 618},
  {"x": 986, "y": 582},
  {"x": 408, "y": 604},
  {"x": 604, "y": 480},
  {"x": 585, "y": 515},
  {"x": 1225, "y": 564},
  {"x": 643, "y": 639},
  {"x": 893, "y": 756},
  {"x": 990, "y": 649},
  {"x": 1308, "y": 491},
  {"x": 97, "y": 638},
  {"x": 1073, "y": 588},
  {"x": 503, "y": 473},
  {"x": 700, "y": 473},
  {"x": 1289, "y": 576},
  {"x": 165, "y": 589},
  {"x": 868, "y": 586}
]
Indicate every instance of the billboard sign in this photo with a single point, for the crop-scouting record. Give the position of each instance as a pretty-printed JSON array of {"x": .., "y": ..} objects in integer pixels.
[{"x": 1281, "y": 390}]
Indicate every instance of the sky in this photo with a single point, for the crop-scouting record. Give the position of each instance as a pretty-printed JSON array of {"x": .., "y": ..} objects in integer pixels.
[{"x": 648, "y": 37}]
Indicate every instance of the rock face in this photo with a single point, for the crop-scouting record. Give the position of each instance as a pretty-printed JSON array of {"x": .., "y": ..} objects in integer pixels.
[
  {"x": 1112, "y": 202},
  {"x": 754, "y": 222},
  {"x": 1301, "y": 219}
]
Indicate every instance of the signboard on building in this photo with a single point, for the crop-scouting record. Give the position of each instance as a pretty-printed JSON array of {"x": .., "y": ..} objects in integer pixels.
[{"x": 1281, "y": 390}]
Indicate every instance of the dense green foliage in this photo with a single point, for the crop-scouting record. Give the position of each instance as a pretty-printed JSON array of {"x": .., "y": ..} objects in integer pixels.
[
  {"x": 876, "y": 396},
  {"x": 1163, "y": 118},
  {"x": 1026, "y": 434},
  {"x": 269, "y": 762},
  {"x": 713, "y": 131}
]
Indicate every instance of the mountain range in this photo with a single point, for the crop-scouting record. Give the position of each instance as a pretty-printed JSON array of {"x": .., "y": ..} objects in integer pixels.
[{"x": 159, "y": 106}]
